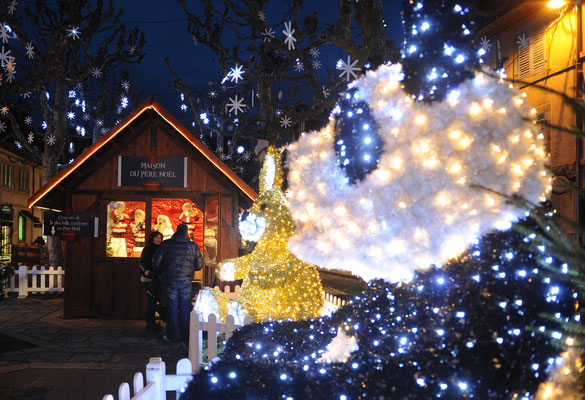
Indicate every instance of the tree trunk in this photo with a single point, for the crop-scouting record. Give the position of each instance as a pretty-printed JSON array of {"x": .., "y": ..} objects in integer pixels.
[{"x": 51, "y": 156}]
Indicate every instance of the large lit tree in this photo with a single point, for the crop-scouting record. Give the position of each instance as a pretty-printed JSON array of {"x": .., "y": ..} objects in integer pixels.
[
  {"x": 48, "y": 50},
  {"x": 278, "y": 75}
]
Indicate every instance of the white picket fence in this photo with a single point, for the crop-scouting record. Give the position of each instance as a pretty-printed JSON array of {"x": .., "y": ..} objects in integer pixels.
[
  {"x": 157, "y": 382},
  {"x": 334, "y": 299},
  {"x": 36, "y": 280},
  {"x": 213, "y": 328},
  {"x": 232, "y": 295}
]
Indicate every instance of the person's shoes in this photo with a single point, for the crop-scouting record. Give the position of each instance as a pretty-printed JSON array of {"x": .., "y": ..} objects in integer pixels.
[{"x": 166, "y": 339}]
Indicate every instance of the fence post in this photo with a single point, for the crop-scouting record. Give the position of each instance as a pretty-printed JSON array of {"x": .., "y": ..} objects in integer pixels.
[
  {"x": 229, "y": 326},
  {"x": 195, "y": 339},
  {"x": 60, "y": 278},
  {"x": 22, "y": 282},
  {"x": 124, "y": 391},
  {"x": 138, "y": 382},
  {"x": 211, "y": 337},
  {"x": 155, "y": 373},
  {"x": 183, "y": 368}
]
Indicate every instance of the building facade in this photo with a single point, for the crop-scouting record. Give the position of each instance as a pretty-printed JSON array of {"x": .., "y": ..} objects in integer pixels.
[
  {"x": 541, "y": 49},
  {"x": 20, "y": 178}
]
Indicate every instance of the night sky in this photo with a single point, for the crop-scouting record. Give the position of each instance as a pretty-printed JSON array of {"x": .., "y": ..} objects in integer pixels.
[{"x": 171, "y": 39}]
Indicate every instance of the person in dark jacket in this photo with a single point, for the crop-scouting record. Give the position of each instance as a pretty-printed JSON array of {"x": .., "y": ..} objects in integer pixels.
[
  {"x": 148, "y": 279},
  {"x": 175, "y": 262}
]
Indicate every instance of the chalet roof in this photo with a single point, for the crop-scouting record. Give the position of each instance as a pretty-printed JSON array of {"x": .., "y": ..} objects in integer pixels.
[
  {"x": 148, "y": 104},
  {"x": 513, "y": 17}
]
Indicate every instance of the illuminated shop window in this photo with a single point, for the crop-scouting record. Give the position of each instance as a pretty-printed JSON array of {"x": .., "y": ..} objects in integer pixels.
[
  {"x": 126, "y": 228},
  {"x": 167, "y": 214}
]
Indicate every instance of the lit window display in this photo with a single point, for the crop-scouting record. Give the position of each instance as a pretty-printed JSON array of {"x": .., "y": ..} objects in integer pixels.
[
  {"x": 126, "y": 224},
  {"x": 167, "y": 214},
  {"x": 125, "y": 228}
]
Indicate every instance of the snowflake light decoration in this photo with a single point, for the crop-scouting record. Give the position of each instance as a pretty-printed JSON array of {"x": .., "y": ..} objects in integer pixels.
[
  {"x": 299, "y": 67},
  {"x": 126, "y": 85},
  {"x": 30, "y": 50},
  {"x": 314, "y": 52},
  {"x": 74, "y": 32},
  {"x": 288, "y": 32},
  {"x": 2, "y": 126},
  {"x": 523, "y": 42},
  {"x": 195, "y": 41},
  {"x": 4, "y": 33},
  {"x": 285, "y": 122},
  {"x": 485, "y": 44},
  {"x": 132, "y": 49},
  {"x": 212, "y": 93},
  {"x": 261, "y": 16},
  {"x": 12, "y": 7},
  {"x": 325, "y": 91},
  {"x": 316, "y": 64},
  {"x": 348, "y": 68},
  {"x": 51, "y": 140},
  {"x": 28, "y": 120},
  {"x": 279, "y": 95},
  {"x": 236, "y": 73},
  {"x": 30, "y": 138},
  {"x": 268, "y": 34},
  {"x": 236, "y": 105},
  {"x": 96, "y": 72},
  {"x": 4, "y": 56},
  {"x": 4, "y": 110}
]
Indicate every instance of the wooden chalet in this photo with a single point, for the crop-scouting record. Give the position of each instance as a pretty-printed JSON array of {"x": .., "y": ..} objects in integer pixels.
[{"x": 147, "y": 173}]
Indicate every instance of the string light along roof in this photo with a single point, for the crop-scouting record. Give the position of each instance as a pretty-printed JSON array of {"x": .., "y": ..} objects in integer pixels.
[{"x": 148, "y": 104}]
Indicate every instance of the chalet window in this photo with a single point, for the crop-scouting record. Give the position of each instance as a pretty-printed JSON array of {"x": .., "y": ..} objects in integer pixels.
[
  {"x": 127, "y": 225},
  {"x": 23, "y": 180},
  {"x": 532, "y": 59},
  {"x": 7, "y": 176}
]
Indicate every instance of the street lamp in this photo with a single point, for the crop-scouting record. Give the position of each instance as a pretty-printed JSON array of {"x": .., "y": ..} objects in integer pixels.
[{"x": 556, "y": 4}]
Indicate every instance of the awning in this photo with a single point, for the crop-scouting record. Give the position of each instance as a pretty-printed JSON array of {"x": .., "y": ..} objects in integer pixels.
[{"x": 30, "y": 216}]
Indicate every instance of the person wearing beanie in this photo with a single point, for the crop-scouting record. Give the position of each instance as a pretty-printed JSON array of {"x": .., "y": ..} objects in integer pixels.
[{"x": 175, "y": 262}]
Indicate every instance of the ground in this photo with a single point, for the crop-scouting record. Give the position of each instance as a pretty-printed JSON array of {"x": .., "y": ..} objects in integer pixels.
[{"x": 46, "y": 357}]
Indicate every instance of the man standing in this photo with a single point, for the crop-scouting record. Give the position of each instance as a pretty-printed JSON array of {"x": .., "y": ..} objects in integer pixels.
[{"x": 175, "y": 262}]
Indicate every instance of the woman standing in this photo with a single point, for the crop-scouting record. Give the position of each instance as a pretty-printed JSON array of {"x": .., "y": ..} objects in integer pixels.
[{"x": 148, "y": 280}]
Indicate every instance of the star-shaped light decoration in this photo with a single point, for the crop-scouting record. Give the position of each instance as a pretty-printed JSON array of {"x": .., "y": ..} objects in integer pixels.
[
  {"x": 523, "y": 42},
  {"x": 28, "y": 120},
  {"x": 96, "y": 72},
  {"x": 126, "y": 85},
  {"x": 316, "y": 64},
  {"x": 74, "y": 32},
  {"x": 12, "y": 7},
  {"x": 485, "y": 44},
  {"x": 31, "y": 137},
  {"x": 348, "y": 68},
  {"x": 236, "y": 73},
  {"x": 2, "y": 126},
  {"x": 261, "y": 16},
  {"x": 268, "y": 34},
  {"x": 247, "y": 156},
  {"x": 288, "y": 32},
  {"x": 132, "y": 49},
  {"x": 51, "y": 140},
  {"x": 277, "y": 112},
  {"x": 285, "y": 122},
  {"x": 325, "y": 91},
  {"x": 236, "y": 105},
  {"x": 4, "y": 110},
  {"x": 212, "y": 93},
  {"x": 70, "y": 115},
  {"x": 71, "y": 148},
  {"x": 279, "y": 95},
  {"x": 195, "y": 41},
  {"x": 219, "y": 149},
  {"x": 299, "y": 67},
  {"x": 314, "y": 52},
  {"x": 25, "y": 95},
  {"x": 85, "y": 117},
  {"x": 10, "y": 75}
]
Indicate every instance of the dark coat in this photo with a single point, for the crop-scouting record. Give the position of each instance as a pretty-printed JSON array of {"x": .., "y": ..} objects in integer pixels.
[
  {"x": 177, "y": 259},
  {"x": 146, "y": 258}
]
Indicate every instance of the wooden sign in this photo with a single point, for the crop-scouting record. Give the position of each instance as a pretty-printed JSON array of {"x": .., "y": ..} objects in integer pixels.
[
  {"x": 81, "y": 223},
  {"x": 168, "y": 171}
]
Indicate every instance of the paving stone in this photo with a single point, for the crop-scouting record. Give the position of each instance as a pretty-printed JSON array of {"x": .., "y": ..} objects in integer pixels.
[
  {"x": 90, "y": 357},
  {"x": 48, "y": 356}
]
